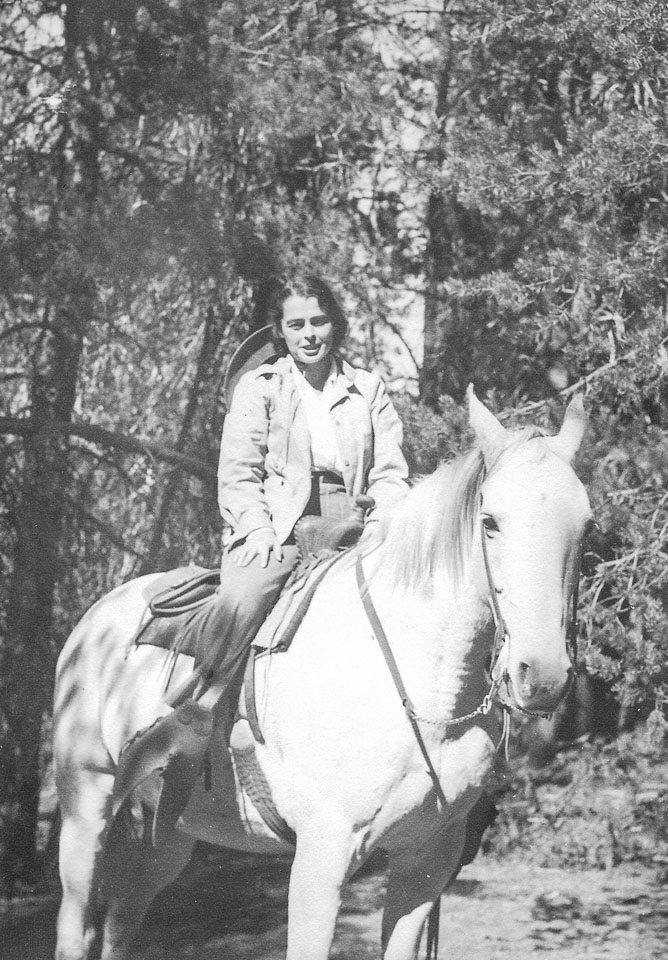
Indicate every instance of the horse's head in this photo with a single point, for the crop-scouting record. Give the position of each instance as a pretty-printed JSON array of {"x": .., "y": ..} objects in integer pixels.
[{"x": 533, "y": 516}]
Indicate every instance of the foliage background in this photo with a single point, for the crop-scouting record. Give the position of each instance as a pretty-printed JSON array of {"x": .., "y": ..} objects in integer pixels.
[{"x": 484, "y": 183}]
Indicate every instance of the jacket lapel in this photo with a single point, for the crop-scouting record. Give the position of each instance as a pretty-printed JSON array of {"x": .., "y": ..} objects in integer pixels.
[
  {"x": 344, "y": 384},
  {"x": 297, "y": 437}
]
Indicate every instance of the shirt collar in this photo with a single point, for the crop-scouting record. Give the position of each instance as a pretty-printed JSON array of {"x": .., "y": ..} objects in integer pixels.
[
  {"x": 302, "y": 382},
  {"x": 345, "y": 373}
]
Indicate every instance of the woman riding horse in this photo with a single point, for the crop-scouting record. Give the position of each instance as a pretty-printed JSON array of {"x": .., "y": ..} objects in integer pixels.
[
  {"x": 304, "y": 435},
  {"x": 495, "y": 535}
]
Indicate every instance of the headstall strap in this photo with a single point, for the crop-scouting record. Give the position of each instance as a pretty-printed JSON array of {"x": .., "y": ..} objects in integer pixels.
[{"x": 501, "y": 632}]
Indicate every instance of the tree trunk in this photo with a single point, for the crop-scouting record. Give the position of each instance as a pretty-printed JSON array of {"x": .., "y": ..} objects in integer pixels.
[
  {"x": 438, "y": 372},
  {"x": 439, "y": 319},
  {"x": 210, "y": 341},
  {"x": 460, "y": 245},
  {"x": 29, "y": 653},
  {"x": 28, "y": 660}
]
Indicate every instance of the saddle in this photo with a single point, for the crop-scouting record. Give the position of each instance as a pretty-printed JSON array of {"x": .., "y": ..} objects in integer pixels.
[
  {"x": 176, "y": 745},
  {"x": 183, "y": 591},
  {"x": 313, "y": 535}
]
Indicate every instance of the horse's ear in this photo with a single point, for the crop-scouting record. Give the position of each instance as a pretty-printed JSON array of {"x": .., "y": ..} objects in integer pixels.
[
  {"x": 489, "y": 433},
  {"x": 568, "y": 440}
]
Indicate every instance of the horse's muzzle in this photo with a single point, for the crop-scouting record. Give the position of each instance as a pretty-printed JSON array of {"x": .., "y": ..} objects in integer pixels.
[{"x": 534, "y": 691}]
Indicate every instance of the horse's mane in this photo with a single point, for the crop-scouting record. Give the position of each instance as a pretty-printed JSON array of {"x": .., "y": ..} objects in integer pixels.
[{"x": 434, "y": 528}]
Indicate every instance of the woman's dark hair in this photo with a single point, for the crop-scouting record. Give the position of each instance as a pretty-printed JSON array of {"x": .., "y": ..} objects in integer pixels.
[{"x": 303, "y": 285}]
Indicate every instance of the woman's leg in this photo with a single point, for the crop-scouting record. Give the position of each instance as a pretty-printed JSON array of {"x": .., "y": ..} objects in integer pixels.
[{"x": 227, "y": 627}]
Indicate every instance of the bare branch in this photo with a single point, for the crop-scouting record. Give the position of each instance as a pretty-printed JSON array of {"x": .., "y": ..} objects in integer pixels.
[
  {"x": 109, "y": 533},
  {"x": 397, "y": 332},
  {"x": 26, "y": 325},
  {"x": 15, "y": 52},
  {"x": 25, "y": 426}
]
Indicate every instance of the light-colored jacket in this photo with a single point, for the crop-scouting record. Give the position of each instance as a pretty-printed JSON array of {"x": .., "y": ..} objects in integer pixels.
[{"x": 264, "y": 472}]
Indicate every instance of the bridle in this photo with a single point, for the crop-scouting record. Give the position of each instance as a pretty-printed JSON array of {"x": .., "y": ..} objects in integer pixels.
[{"x": 502, "y": 634}]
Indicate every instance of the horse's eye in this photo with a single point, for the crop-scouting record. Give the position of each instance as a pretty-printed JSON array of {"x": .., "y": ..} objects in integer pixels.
[{"x": 490, "y": 525}]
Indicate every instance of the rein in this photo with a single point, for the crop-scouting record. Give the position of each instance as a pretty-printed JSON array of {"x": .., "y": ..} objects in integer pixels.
[
  {"x": 414, "y": 718},
  {"x": 484, "y": 708},
  {"x": 384, "y": 644}
]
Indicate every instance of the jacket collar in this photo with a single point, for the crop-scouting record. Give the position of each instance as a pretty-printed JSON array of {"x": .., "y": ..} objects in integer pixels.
[{"x": 345, "y": 378}]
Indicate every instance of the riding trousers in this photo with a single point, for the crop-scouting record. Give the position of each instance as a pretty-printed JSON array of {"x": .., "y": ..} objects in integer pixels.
[{"x": 229, "y": 624}]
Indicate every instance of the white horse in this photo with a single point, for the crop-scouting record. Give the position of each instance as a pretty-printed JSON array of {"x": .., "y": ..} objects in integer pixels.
[{"x": 493, "y": 535}]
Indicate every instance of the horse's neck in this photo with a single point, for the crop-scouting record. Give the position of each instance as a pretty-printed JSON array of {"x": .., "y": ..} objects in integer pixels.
[{"x": 439, "y": 634}]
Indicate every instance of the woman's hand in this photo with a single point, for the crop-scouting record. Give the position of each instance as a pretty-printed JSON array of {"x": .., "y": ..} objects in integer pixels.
[{"x": 258, "y": 545}]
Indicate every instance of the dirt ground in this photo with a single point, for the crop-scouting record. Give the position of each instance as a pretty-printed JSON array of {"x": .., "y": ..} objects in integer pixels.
[{"x": 496, "y": 909}]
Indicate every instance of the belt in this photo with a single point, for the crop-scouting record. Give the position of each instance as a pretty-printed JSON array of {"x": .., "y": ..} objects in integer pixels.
[
  {"x": 327, "y": 476},
  {"x": 313, "y": 508}
]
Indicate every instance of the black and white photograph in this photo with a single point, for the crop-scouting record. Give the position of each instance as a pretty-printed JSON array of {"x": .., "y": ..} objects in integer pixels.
[{"x": 333, "y": 479}]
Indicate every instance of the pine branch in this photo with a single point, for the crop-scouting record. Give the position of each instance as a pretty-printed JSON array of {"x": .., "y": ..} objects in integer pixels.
[{"x": 575, "y": 387}]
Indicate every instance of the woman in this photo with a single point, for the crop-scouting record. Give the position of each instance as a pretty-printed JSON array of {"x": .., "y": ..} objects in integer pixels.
[{"x": 304, "y": 435}]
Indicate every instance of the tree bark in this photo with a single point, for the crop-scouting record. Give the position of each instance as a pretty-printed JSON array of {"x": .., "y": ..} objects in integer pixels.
[
  {"x": 436, "y": 377},
  {"x": 28, "y": 656},
  {"x": 459, "y": 246},
  {"x": 439, "y": 254},
  {"x": 210, "y": 340}
]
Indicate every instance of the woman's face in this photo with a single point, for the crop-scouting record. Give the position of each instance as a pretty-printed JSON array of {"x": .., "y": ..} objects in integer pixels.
[{"x": 308, "y": 333}]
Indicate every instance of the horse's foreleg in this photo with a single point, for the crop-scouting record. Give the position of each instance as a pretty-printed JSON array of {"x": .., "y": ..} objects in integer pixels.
[
  {"x": 321, "y": 861},
  {"x": 84, "y": 808},
  {"x": 135, "y": 872},
  {"x": 415, "y": 882}
]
